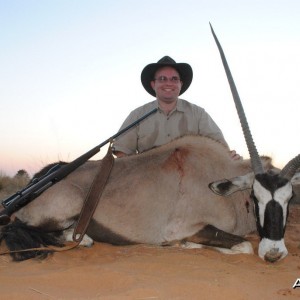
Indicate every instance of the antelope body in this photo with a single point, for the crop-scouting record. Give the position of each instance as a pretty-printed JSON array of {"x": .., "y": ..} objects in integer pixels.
[{"x": 162, "y": 197}]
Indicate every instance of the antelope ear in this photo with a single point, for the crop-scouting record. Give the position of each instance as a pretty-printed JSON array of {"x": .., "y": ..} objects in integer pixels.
[
  {"x": 296, "y": 179},
  {"x": 226, "y": 187}
]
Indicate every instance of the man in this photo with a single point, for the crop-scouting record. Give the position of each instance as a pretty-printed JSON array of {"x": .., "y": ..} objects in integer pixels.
[{"x": 166, "y": 80}]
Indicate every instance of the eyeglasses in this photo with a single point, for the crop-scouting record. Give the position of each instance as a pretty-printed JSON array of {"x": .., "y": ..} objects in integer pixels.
[{"x": 164, "y": 79}]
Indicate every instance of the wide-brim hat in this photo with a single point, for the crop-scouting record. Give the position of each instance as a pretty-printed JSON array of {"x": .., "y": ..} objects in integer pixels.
[{"x": 185, "y": 72}]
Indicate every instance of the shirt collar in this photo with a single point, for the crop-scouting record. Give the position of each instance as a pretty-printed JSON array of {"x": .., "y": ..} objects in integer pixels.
[{"x": 179, "y": 105}]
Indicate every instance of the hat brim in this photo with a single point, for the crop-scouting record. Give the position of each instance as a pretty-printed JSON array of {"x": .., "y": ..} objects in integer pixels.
[{"x": 185, "y": 71}]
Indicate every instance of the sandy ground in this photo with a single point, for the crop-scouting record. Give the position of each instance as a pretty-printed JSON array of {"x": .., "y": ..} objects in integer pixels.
[{"x": 147, "y": 272}]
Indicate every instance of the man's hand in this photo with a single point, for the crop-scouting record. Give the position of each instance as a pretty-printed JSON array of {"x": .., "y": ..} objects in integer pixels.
[{"x": 119, "y": 154}]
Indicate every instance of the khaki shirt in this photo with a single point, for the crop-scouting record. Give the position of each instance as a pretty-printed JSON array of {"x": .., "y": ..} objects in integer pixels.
[{"x": 159, "y": 128}]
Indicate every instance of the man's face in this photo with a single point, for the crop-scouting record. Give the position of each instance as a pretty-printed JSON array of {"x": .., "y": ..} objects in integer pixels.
[{"x": 167, "y": 84}]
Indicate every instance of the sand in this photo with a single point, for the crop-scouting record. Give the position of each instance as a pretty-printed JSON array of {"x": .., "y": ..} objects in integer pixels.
[{"x": 149, "y": 272}]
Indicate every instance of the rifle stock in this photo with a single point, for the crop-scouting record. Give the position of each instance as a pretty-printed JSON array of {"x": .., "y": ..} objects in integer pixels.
[{"x": 55, "y": 174}]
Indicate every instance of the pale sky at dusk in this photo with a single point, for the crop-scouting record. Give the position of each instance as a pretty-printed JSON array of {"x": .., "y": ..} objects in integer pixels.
[{"x": 70, "y": 71}]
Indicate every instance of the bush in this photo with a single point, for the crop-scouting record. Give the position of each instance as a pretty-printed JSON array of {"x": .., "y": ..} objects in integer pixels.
[{"x": 10, "y": 185}]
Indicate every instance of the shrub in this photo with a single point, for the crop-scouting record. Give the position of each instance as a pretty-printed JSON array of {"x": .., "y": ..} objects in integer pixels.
[{"x": 10, "y": 185}]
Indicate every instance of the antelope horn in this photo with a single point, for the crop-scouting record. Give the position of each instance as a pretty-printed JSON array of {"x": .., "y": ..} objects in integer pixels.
[
  {"x": 291, "y": 168},
  {"x": 255, "y": 159}
]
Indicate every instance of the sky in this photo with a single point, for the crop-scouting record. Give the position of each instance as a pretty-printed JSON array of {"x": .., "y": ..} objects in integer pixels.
[{"x": 70, "y": 71}]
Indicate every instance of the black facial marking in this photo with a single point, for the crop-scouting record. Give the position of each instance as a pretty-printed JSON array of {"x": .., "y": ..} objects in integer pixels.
[
  {"x": 273, "y": 227},
  {"x": 271, "y": 182},
  {"x": 256, "y": 210}
]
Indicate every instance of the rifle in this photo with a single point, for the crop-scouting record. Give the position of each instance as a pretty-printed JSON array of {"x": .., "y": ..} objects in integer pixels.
[{"x": 55, "y": 174}]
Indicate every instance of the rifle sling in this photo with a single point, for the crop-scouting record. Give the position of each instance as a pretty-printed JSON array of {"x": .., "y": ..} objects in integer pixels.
[{"x": 94, "y": 195}]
